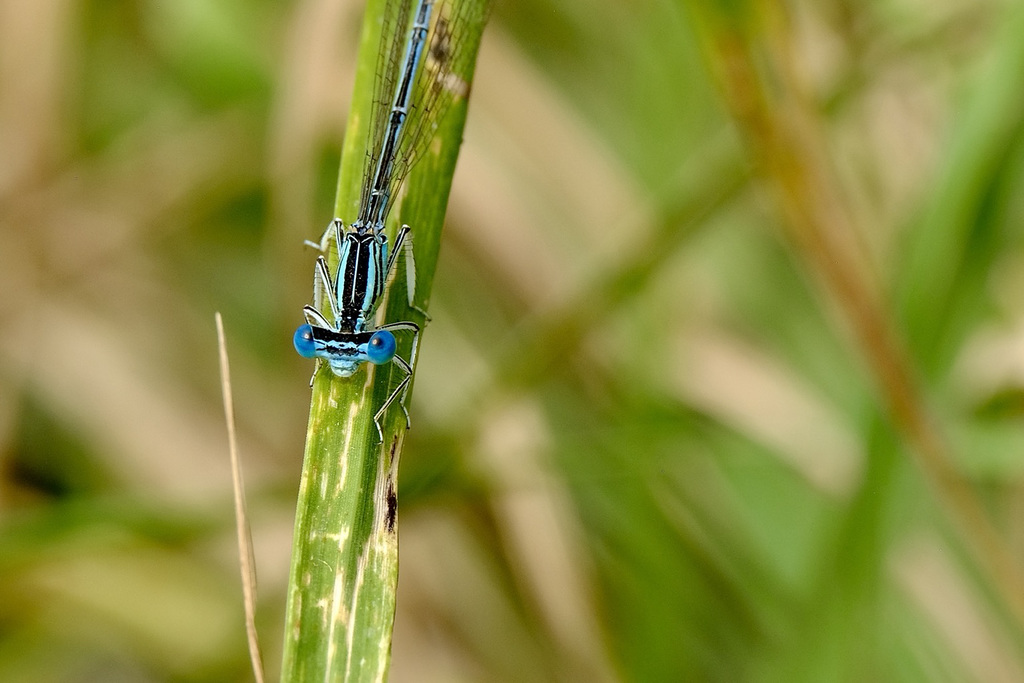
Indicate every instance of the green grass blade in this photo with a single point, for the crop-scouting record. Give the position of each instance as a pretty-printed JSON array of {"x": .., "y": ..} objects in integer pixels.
[{"x": 344, "y": 575}]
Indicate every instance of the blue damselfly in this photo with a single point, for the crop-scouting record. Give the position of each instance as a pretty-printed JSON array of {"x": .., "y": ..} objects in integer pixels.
[{"x": 417, "y": 78}]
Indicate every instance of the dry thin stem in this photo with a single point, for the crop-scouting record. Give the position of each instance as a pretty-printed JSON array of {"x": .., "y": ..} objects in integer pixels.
[
  {"x": 245, "y": 552},
  {"x": 784, "y": 133}
]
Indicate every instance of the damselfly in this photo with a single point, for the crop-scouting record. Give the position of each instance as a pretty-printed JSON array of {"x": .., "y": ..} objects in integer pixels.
[{"x": 417, "y": 79}]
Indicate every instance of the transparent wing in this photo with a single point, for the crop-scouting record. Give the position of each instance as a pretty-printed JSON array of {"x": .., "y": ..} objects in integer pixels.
[
  {"x": 444, "y": 77},
  {"x": 394, "y": 31}
]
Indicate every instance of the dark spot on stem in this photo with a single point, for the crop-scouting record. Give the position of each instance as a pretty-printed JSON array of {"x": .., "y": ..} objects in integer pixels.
[
  {"x": 392, "y": 495},
  {"x": 392, "y": 509}
]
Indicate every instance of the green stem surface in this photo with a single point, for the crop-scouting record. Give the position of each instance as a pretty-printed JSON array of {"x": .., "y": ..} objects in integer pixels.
[{"x": 344, "y": 575}]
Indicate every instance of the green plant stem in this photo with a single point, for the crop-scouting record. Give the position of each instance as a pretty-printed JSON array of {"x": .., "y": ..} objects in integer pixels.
[{"x": 344, "y": 575}]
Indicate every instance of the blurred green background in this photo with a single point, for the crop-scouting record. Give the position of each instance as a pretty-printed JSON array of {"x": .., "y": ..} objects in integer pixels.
[{"x": 725, "y": 379}]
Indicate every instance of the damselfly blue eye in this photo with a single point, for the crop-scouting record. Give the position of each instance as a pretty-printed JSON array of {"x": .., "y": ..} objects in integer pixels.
[
  {"x": 381, "y": 347},
  {"x": 304, "y": 342}
]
